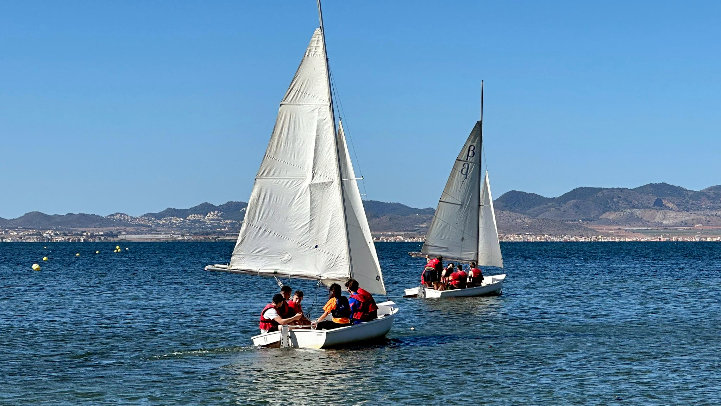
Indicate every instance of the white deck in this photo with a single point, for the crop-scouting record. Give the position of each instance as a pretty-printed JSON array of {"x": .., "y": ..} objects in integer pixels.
[
  {"x": 304, "y": 337},
  {"x": 492, "y": 285}
]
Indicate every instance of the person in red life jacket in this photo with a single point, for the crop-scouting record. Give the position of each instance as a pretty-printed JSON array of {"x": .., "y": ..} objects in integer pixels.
[
  {"x": 438, "y": 265},
  {"x": 338, "y": 307},
  {"x": 362, "y": 305},
  {"x": 296, "y": 307},
  {"x": 457, "y": 280},
  {"x": 269, "y": 317},
  {"x": 475, "y": 276},
  {"x": 429, "y": 276},
  {"x": 286, "y": 310}
]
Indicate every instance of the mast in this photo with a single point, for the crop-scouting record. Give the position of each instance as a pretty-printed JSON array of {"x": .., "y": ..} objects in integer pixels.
[
  {"x": 335, "y": 139},
  {"x": 480, "y": 170}
]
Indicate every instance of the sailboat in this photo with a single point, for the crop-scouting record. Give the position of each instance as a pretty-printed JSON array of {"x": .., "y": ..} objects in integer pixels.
[
  {"x": 463, "y": 228},
  {"x": 305, "y": 217}
]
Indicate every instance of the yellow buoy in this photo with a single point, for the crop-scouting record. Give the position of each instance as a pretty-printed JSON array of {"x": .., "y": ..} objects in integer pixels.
[
  {"x": 77, "y": 255},
  {"x": 36, "y": 267},
  {"x": 45, "y": 258},
  {"x": 117, "y": 247}
]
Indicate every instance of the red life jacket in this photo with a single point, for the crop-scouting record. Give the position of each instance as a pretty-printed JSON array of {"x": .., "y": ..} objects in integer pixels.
[
  {"x": 286, "y": 311},
  {"x": 267, "y": 324},
  {"x": 368, "y": 309},
  {"x": 295, "y": 307},
  {"x": 458, "y": 278},
  {"x": 432, "y": 263},
  {"x": 476, "y": 273}
]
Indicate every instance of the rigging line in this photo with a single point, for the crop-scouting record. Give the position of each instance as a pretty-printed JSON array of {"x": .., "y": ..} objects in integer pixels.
[{"x": 341, "y": 115}]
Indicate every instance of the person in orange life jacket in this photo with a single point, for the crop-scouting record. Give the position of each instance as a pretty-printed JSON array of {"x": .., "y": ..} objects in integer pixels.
[
  {"x": 269, "y": 317},
  {"x": 286, "y": 310},
  {"x": 475, "y": 276},
  {"x": 362, "y": 305},
  {"x": 338, "y": 307},
  {"x": 296, "y": 307},
  {"x": 458, "y": 278}
]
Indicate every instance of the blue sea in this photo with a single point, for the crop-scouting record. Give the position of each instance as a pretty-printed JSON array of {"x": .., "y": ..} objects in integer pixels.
[{"x": 577, "y": 323}]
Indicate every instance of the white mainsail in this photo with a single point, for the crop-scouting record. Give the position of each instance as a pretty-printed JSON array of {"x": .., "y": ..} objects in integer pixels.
[
  {"x": 453, "y": 233},
  {"x": 464, "y": 225},
  {"x": 489, "y": 249},
  {"x": 305, "y": 217}
]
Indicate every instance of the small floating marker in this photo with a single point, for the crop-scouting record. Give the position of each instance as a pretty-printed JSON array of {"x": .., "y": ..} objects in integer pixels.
[
  {"x": 45, "y": 248},
  {"x": 36, "y": 267},
  {"x": 117, "y": 247},
  {"x": 77, "y": 254},
  {"x": 413, "y": 328},
  {"x": 45, "y": 258},
  {"x": 126, "y": 249},
  {"x": 97, "y": 252}
]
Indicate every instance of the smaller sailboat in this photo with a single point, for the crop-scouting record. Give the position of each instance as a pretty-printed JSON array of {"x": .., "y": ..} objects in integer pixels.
[
  {"x": 305, "y": 217},
  {"x": 463, "y": 228}
]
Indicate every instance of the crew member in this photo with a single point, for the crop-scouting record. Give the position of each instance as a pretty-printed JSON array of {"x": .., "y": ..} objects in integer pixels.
[
  {"x": 269, "y": 317},
  {"x": 338, "y": 307},
  {"x": 457, "y": 280},
  {"x": 475, "y": 276},
  {"x": 362, "y": 305}
]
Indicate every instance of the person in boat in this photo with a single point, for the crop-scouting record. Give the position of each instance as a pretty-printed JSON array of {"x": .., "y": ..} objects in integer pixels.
[
  {"x": 429, "y": 276},
  {"x": 446, "y": 276},
  {"x": 338, "y": 307},
  {"x": 270, "y": 319},
  {"x": 286, "y": 310},
  {"x": 475, "y": 276},
  {"x": 362, "y": 305},
  {"x": 458, "y": 278},
  {"x": 295, "y": 305}
]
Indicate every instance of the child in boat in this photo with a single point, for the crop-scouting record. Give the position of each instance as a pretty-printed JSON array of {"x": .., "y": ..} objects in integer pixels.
[
  {"x": 475, "y": 276},
  {"x": 362, "y": 305},
  {"x": 296, "y": 306},
  {"x": 429, "y": 276},
  {"x": 446, "y": 276},
  {"x": 286, "y": 310},
  {"x": 457, "y": 280},
  {"x": 338, "y": 307},
  {"x": 270, "y": 319}
]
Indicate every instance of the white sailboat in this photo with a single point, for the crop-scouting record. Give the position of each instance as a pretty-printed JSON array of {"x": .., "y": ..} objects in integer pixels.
[
  {"x": 464, "y": 225},
  {"x": 305, "y": 218}
]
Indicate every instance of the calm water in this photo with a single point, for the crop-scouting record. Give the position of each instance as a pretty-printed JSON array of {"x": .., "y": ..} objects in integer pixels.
[{"x": 578, "y": 323}]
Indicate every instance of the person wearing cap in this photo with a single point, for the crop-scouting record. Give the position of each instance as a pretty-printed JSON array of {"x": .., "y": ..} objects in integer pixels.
[{"x": 270, "y": 319}]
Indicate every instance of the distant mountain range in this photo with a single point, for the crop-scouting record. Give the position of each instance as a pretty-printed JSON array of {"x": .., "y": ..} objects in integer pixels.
[{"x": 582, "y": 211}]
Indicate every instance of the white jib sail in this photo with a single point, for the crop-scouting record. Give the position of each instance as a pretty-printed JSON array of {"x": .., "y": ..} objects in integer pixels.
[
  {"x": 294, "y": 224},
  {"x": 364, "y": 260},
  {"x": 453, "y": 233},
  {"x": 489, "y": 249}
]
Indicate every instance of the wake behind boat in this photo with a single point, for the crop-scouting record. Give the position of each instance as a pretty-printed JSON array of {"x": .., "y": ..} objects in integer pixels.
[
  {"x": 305, "y": 218},
  {"x": 463, "y": 228}
]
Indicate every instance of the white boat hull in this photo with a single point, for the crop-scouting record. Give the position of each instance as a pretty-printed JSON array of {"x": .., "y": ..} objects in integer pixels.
[
  {"x": 492, "y": 285},
  {"x": 357, "y": 333}
]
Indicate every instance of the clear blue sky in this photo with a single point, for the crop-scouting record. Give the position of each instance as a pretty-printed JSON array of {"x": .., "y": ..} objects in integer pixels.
[{"x": 135, "y": 106}]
